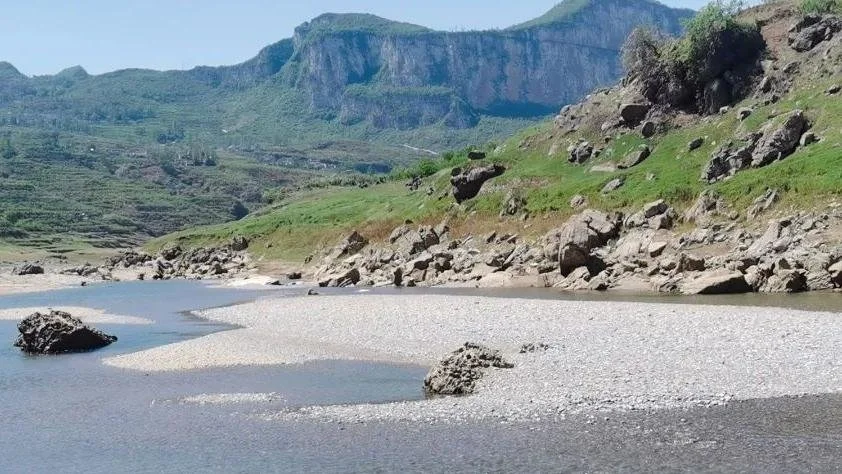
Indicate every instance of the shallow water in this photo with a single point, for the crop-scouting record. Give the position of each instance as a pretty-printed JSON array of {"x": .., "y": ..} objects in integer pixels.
[{"x": 73, "y": 414}]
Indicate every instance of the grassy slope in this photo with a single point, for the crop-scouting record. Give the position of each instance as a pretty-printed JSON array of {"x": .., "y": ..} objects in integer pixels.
[{"x": 809, "y": 178}]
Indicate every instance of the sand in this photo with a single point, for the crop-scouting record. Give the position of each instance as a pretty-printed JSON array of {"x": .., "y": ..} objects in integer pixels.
[{"x": 603, "y": 355}]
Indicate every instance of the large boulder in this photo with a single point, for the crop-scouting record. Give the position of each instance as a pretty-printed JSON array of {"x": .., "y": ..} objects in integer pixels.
[
  {"x": 467, "y": 184},
  {"x": 779, "y": 143},
  {"x": 571, "y": 244},
  {"x": 635, "y": 158},
  {"x": 581, "y": 153},
  {"x": 351, "y": 245},
  {"x": 633, "y": 114},
  {"x": 458, "y": 373},
  {"x": 58, "y": 332}
]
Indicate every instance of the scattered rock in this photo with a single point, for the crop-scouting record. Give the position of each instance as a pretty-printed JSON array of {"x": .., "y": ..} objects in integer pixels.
[
  {"x": 581, "y": 153},
  {"x": 744, "y": 113},
  {"x": 763, "y": 203},
  {"x": 808, "y": 138},
  {"x": 812, "y": 30},
  {"x": 58, "y": 332},
  {"x": 476, "y": 155},
  {"x": 635, "y": 158},
  {"x": 533, "y": 347},
  {"x": 649, "y": 129},
  {"x": 458, "y": 373},
  {"x": 238, "y": 244},
  {"x": 351, "y": 245},
  {"x": 718, "y": 282},
  {"x": 578, "y": 201}
]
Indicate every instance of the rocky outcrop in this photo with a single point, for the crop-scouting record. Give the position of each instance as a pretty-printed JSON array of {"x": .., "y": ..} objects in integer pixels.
[
  {"x": 812, "y": 30},
  {"x": 58, "y": 332},
  {"x": 778, "y": 143},
  {"x": 467, "y": 184},
  {"x": 458, "y": 373},
  {"x": 176, "y": 263},
  {"x": 571, "y": 245}
]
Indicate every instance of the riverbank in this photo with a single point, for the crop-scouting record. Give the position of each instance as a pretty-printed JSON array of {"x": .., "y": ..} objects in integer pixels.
[{"x": 601, "y": 356}]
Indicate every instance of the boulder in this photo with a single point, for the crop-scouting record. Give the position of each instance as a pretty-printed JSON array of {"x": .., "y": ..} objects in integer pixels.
[
  {"x": 719, "y": 282},
  {"x": 513, "y": 204},
  {"x": 635, "y": 158},
  {"x": 726, "y": 162},
  {"x": 458, "y": 373},
  {"x": 633, "y": 114},
  {"x": 341, "y": 280},
  {"x": 571, "y": 245},
  {"x": 707, "y": 203},
  {"x": 744, "y": 113},
  {"x": 28, "y": 269},
  {"x": 58, "y": 332},
  {"x": 648, "y": 129},
  {"x": 763, "y": 203},
  {"x": 578, "y": 201},
  {"x": 781, "y": 142},
  {"x": 476, "y": 155},
  {"x": 468, "y": 184},
  {"x": 351, "y": 245},
  {"x": 807, "y": 139},
  {"x": 581, "y": 153},
  {"x": 613, "y": 185}
]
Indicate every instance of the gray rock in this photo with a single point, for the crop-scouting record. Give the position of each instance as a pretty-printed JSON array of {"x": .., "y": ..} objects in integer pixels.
[
  {"x": 808, "y": 138},
  {"x": 763, "y": 203},
  {"x": 718, "y": 282},
  {"x": 571, "y": 245},
  {"x": 706, "y": 204},
  {"x": 812, "y": 30},
  {"x": 744, "y": 113},
  {"x": 341, "y": 280},
  {"x": 468, "y": 184},
  {"x": 613, "y": 185},
  {"x": 458, "y": 373},
  {"x": 649, "y": 129},
  {"x": 633, "y": 114},
  {"x": 28, "y": 269},
  {"x": 238, "y": 244},
  {"x": 695, "y": 144},
  {"x": 533, "y": 347},
  {"x": 58, "y": 332},
  {"x": 581, "y": 153},
  {"x": 351, "y": 245},
  {"x": 781, "y": 142},
  {"x": 635, "y": 158},
  {"x": 578, "y": 201}
]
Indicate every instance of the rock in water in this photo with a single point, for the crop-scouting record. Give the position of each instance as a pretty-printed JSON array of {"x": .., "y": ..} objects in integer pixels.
[
  {"x": 458, "y": 373},
  {"x": 58, "y": 332}
]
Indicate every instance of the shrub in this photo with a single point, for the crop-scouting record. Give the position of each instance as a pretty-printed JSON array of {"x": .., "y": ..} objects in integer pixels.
[{"x": 818, "y": 7}]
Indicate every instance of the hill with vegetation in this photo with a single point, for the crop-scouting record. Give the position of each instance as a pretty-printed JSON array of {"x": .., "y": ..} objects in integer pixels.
[
  {"x": 115, "y": 158},
  {"x": 736, "y": 122}
]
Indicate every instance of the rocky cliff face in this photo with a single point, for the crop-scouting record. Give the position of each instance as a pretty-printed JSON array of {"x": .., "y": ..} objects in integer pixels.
[{"x": 524, "y": 71}]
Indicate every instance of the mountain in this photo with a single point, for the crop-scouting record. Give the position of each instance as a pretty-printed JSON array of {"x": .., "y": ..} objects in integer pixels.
[{"x": 348, "y": 92}]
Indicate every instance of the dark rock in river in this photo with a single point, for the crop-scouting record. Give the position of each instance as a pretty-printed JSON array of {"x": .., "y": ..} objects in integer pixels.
[
  {"x": 458, "y": 373},
  {"x": 58, "y": 332}
]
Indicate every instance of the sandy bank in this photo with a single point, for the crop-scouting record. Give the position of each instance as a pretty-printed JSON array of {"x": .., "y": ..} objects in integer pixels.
[
  {"x": 87, "y": 315},
  {"x": 604, "y": 355}
]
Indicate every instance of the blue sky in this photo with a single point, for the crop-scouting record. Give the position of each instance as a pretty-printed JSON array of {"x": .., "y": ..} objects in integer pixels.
[{"x": 45, "y": 36}]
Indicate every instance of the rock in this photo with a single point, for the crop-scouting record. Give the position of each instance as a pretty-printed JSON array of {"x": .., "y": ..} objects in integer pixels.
[
  {"x": 533, "y": 347},
  {"x": 513, "y": 204},
  {"x": 633, "y": 114},
  {"x": 654, "y": 208},
  {"x": 294, "y": 276},
  {"x": 649, "y": 129},
  {"x": 28, "y": 269},
  {"x": 458, "y": 373},
  {"x": 348, "y": 278},
  {"x": 469, "y": 183},
  {"x": 397, "y": 277},
  {"x": 833, "y": 90},
  {"x": 656, "y": 249},
  {"x": 238, "y": 244},
  {"x": 312, "y": 292},
  {"x": 58, "y": 332},
  {"x": 172, "y": 252},
  {"x": 635, "y": 158},
  {"x": 780, "y": 143},
  {"x": 695, "y": 144},
  {"x": 763, "y": 203},
  {"x": 717, "y": 94},
  {"x": 718, "y": 282},
  {"x": 808, "y": 138},
  {"x": 571, "y": 245},
  {"x": 578, "y": 201},
  {"x": 690, "y": 263},
  {"x": 771, "y": 241},
  {"x": 613, "y": 185},
  {"x": 581, "y": 153},
  {"x": 744, "y": 113},
  {"x": 812, "y": 30},
  {"x": 707, "y": 203},
  {"x": 351, "y": 245},
  {"x": 476, "y": 155},
  {"x": 726, "y": 162},
  {"x": 787, "y": 281}
]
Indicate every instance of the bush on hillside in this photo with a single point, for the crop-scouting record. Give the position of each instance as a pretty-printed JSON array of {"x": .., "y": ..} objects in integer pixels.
[
  {"x": 704, "y": 69},
  {"x": 820, "y": 7}
]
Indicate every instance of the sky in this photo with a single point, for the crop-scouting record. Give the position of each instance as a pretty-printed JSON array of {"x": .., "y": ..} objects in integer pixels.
[{"x": 45, "y": 36}]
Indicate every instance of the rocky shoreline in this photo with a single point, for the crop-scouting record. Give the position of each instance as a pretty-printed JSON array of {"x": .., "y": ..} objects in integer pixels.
[{"x": 648, "y": 251}]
